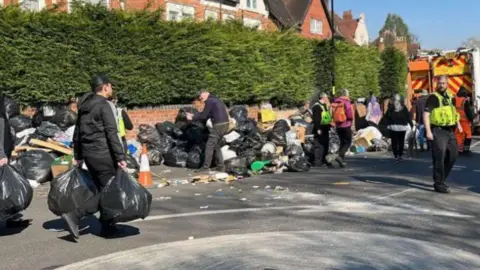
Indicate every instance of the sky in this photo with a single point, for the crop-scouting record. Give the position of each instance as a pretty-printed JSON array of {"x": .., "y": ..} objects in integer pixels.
[{"x": 439, "y": 24}]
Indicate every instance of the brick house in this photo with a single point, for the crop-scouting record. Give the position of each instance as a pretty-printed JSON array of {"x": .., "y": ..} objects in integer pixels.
[{"x": 352, "y": 29}]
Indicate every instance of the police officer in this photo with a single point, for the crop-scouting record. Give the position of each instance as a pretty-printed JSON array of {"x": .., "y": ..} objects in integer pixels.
[
  {"x": 322, "y": 120},
  {"x": 441, "y": 118}
]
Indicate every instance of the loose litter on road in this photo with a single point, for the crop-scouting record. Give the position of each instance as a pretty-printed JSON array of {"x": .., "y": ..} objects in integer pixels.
[
  {"x": 204, "y": 207},
  {"x": 191, "y": 238},
  {"x": 243, "y": 199}
]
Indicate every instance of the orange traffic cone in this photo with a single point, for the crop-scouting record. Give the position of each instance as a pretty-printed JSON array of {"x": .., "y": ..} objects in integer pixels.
[{"x": 145, "y": 175}]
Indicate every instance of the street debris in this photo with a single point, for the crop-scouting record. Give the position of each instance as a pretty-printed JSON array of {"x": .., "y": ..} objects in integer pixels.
[
  {"x": 204, "y": 207},
  {"x": 198, "y": 194},
  {"x": 255, "y": 187},
  {"x": 191, "y": 238},
  {"x": 162, "y": 198},
  {"x": 177, "y": 182},
  {"x": 243, "y": 199}
]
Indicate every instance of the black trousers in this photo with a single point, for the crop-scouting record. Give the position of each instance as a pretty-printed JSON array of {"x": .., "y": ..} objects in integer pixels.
[
  {"x": 398, "y": 142},
  {"x": 214, "y": 145},
  {"x": 345, "y": 136},
  {"x": 444, "y": 153},
  {"x": 102, "y": 169},
  {"x": 321, "y": 144}
]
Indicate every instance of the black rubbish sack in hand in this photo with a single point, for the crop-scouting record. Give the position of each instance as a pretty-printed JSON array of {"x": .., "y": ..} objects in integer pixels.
[
  {"x": 176, "y": 158},
  {"x": 48, "y": 130},
  {"x": 11, "y": 107},
  {"x": 20, "y": 122},
  {"x": 195, "y": 157},
  {"x": 309, "y": 148},
  {"x": 182, "y": 114},
  {"x": 36, "y": 165},
  {"x": 123, "y": 199},
  {"x": 298, "y": 164},
  {"x": 64, "y": 118},
  {"x": 237, "y": 166},
  {"x": 334, "y": 143},
  {"x": 239, "y": 113},
  {"x": 148, "y": 134},
  {"x": 132, "y": 166},
  {"x": 73, "y": 190},
  {"x": 16, "y": 194},
  {"x": 155, "y": 157}
]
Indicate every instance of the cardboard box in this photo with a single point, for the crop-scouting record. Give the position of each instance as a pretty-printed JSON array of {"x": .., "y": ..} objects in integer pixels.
[{"x": 61, "y": 165}]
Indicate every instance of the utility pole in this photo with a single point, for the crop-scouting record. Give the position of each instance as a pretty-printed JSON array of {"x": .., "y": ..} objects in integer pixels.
[{"x": 331, "y": 22}]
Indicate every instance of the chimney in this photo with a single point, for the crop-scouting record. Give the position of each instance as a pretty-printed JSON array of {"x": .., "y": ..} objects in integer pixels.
[{"x": 347, "y": 15}]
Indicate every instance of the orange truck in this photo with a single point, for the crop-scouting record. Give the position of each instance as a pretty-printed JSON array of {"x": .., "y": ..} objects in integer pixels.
[{"x": 462, "y": 67}]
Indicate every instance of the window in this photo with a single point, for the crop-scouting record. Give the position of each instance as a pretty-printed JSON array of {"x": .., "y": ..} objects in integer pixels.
[
  {"x": 228, "y": 17},
  {"x": 210, "y": 14},
  {"x": 251, "y": 23},
  {"x": 316, "y": 26},
  {"x": 252, "y": 4},
  {"x": 176, "y": 12}
]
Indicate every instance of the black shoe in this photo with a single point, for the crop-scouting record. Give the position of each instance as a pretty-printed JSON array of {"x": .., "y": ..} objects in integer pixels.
[
  {"x": 18, "y": 223},
  {"x": 400, "y": 159},
  {"x": 109, "y": 230},
  {"x": 72, "y": 224},
  {"x": 441, "y": 188},
  {"x": 341, "y": 162}
]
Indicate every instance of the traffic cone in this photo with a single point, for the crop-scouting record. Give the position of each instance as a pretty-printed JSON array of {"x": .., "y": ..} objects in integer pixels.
[{"x": 145, "y": 175}]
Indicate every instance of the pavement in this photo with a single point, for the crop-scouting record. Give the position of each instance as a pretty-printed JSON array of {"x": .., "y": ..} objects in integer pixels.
[{"x": 375, "y": 214}]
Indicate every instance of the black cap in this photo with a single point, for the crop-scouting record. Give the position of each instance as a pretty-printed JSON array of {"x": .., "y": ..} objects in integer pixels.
[{"x": 99, "y": 80}]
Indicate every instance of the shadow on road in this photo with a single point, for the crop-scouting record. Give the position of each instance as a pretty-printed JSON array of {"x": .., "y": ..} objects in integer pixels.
[
  {"x": 6, "y": 231},
  {"x": 394, "y": 181},
  {"x": 88, "y": 225}
]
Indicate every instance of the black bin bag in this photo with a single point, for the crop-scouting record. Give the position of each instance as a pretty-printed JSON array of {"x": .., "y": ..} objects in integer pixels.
[
  {"x": 73, "y": 190},
  {"x": 36, "y": 165},
  {"x": 123, "y": 199},
  {"x": 16, "y": 194},
  {"x": 20, "y": 123}
]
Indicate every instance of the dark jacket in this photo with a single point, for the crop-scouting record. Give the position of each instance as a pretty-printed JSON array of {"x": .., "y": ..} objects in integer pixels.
[
  {"x": 96, "y": 132},
  {"x": 6, "y": 138},
  {"x": 420, "y": 108},
  {"x": 317, "y": 111},
  {"x": 401, "y": 118},
  {"x": 214, "y": 109}
]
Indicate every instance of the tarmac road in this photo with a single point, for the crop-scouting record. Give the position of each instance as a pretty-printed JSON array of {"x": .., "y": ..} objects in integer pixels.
[{"x": 376, "y": 214}]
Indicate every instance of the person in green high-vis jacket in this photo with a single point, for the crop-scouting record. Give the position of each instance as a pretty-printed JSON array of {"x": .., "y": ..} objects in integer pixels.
[
  {"x": 322, "y": 121},
  {"x": 441, "y": 118},
  {"x": 124, "y": 123}
]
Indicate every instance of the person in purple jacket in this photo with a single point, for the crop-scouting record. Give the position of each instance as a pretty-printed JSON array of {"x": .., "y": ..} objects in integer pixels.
[
  {"x": 215, "y": 110},
  {"x": 344, "y": 128}
]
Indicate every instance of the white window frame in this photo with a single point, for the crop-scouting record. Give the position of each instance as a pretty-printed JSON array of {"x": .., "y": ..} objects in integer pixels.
[
  {"x": 252, "y": 23},
  {"x": 316, "y": 26},
  {"x": 251, "y": 4},
  {"x": 218, "y": 5},
  {"x": 183, "y": 11},
  {"x": 211, "y": 14},
  {"x": 228, "y": 17},
  {"x": 106, "y": 3},
  {"x": 40, "y": 5}
]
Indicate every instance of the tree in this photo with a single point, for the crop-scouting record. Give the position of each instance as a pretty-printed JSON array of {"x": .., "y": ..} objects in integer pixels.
[
  {"x": 393, "y": 74},
  {"x": 395, "y": 24},
  {"x": 471, "y": 42}
]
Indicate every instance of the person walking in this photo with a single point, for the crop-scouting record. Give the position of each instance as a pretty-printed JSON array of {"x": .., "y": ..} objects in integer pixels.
[
  {"x": 440, "y": 118},
  {"x": 419, "y": 107},
  {"x": 97, "y": 143},
  {"x": 464, "y": 109},
  {"x": 215, "y": 110},
  {"x": 322, "y": 121},
  {"x": 6, "y": 149},
  {"x": 342, "y": 114},
  {"x": 398, "y": 122},
  {"x": 124, "y": 122},
  {"x": 374, "y": 112}
]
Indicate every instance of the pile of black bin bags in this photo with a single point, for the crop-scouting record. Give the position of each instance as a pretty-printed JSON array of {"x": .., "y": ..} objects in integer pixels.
[{"x": 182, "y": 144}]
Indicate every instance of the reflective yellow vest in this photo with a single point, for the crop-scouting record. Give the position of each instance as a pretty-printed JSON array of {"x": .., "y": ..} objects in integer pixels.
[
  {"x": 121, "y": 124},
  {"x": 326, "y": 115},
  {"x": 446, "y": 114}
]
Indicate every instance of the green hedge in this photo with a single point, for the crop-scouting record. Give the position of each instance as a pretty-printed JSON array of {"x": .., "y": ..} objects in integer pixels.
[
  {"x": 393, "y": 75},
  {"x": 51, "y": 55}
]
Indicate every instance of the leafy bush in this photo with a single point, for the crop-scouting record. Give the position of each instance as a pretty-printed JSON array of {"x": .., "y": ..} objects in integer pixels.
[{"x": 393, "y": 75}]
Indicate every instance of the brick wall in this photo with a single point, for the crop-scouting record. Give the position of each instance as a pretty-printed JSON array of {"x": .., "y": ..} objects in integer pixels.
[{"x": 152, "y": 116}]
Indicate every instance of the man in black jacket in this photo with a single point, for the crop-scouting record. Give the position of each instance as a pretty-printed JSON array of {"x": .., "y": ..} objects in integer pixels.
[
  {"x": 321, "y": 119},
  {"x": 97, "y": 143},
  {"x": 216, "y": 110}
]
